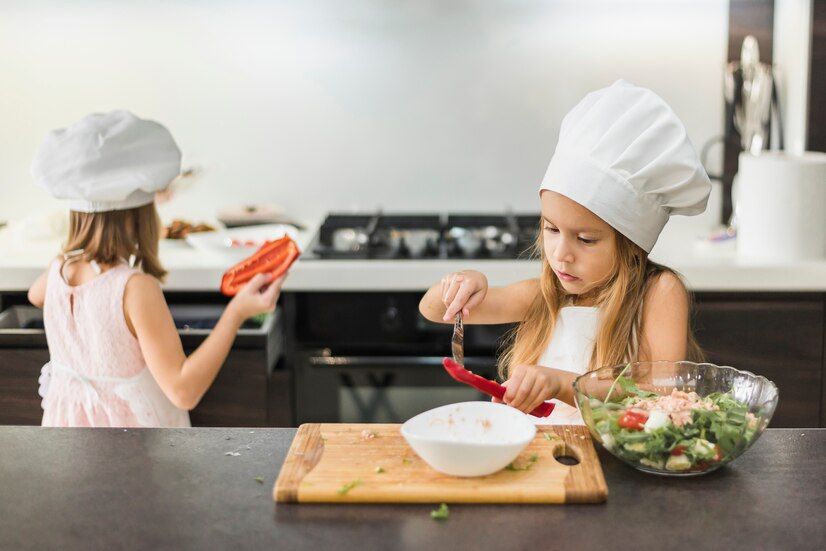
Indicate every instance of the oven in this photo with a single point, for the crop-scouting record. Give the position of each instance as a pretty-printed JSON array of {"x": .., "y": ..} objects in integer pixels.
[{"x": 370, "y": 357}]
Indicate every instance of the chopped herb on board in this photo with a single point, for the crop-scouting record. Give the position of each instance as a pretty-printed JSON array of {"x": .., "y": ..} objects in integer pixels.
[
  {"x": 349, "y": 486},
  {"x": 441, "y": 513},
  {"x": 380, "y": 470},
  {"x": 549, "y": 436},
  {"x": 407, "y": 460},
  {"x": 531, "y": 460}
]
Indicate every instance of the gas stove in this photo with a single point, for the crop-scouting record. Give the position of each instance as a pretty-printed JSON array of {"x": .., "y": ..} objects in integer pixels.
[{"x": 421, "y": 236}]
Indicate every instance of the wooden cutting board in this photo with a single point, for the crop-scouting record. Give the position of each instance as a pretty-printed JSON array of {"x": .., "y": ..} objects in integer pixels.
[{"x": 333, "y": 463}]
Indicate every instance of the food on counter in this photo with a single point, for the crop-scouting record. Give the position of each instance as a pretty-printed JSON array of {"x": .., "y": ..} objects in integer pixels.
[
  {"x": 526, "y": 467},
  {"x": 274, "y": 258},
  {"x": 179, "y": 229},
  {"x": 349, "y": 486},
  {"x": 367, "y": 434},
  {"x": 441, "y": 513},
  {"x": 491, "y": 388},
  {"x": 679, "y": 432}
]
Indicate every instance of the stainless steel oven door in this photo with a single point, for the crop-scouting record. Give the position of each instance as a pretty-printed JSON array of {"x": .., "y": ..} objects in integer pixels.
[{"x": 378, "y": 389}]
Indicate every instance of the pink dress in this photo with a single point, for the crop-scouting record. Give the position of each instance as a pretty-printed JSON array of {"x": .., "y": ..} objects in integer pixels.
[{"x": 96, "y": 376}]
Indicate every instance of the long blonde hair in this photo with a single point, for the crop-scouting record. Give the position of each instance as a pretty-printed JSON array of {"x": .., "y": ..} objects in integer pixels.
[
  {"x": 620, "y": 299},
  {"x": 113, "y": 236}
]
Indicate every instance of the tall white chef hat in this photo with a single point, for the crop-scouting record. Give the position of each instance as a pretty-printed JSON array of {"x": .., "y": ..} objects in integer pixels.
[
  {"x": 107, "y": 161},
  {"x": 624, "y": 155}
]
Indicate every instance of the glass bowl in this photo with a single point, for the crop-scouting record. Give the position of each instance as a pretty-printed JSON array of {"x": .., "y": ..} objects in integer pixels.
[{"x": 675, "y": 418}]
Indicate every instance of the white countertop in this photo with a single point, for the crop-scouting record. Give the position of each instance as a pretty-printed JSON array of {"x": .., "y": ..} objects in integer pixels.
[{"x": 192, "y": 270}]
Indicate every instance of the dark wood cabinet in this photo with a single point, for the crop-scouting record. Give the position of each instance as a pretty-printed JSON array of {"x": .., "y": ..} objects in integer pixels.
[
  {"x": 779, "y": 337},
  {"x": 19, "y": 372}
]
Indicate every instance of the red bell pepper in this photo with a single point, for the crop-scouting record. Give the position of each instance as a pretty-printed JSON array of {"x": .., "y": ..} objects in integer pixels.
[
  {"x": 274, "y": 258},
  {"x": 491, "y": 388},
  {"x": 633, "y": 420}
]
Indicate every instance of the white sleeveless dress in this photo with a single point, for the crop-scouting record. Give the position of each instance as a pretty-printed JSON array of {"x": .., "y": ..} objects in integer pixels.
[{"x": 570, "y": 349}]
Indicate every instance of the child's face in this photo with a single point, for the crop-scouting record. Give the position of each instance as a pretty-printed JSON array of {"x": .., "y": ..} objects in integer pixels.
[{"x": 579, "y": 245}]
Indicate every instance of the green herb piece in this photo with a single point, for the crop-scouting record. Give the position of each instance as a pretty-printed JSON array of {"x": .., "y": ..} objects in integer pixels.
[
  {"x": 349, "y": 486},
  {"x": 441, "y": 513},
  {"x": 531, "y": 460},
  {"x": 407, "y": 460},
  {"x": 380, "y": 470},
  {"x": 549, "y": 436},
  {"x": 259, "y": 479}
]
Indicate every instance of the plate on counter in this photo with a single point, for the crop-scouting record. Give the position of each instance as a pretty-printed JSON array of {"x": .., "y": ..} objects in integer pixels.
[{"x": 239, "y": 243}]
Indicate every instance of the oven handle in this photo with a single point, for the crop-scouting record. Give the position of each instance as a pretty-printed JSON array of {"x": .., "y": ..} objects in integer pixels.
[{"x": 396, "y": 361}]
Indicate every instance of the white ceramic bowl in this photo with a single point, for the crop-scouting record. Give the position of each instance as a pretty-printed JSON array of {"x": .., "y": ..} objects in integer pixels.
[{"x": 469, "y": 438}]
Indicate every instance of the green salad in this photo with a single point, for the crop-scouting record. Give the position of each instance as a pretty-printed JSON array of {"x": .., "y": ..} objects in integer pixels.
[{"x": 675, "y": 432}]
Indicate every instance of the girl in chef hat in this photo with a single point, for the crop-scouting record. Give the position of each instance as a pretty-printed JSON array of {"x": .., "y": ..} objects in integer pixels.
[
  {"x": 116, "y": 357},
  {"x": 622, "y": 166}
]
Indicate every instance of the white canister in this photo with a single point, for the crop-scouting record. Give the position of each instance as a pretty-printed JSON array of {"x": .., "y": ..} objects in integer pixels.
[{"x": 781, "y": 206}]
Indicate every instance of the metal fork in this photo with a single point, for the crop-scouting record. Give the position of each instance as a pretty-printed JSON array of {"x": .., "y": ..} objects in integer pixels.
[{"x": 457, "y": 343}]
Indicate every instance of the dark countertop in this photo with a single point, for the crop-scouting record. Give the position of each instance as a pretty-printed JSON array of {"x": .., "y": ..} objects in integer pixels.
[{"x": 177, "y": 488}]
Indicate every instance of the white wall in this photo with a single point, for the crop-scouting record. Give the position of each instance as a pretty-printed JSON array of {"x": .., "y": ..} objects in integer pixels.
[{"x": 346, "y": 104}]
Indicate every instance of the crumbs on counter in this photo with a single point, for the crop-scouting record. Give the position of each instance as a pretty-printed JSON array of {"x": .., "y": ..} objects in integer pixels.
[{"x": 368, "y": 434}]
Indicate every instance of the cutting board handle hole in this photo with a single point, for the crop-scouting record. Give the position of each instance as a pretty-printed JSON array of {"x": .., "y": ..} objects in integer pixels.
[{"x": 566, "y": 456}]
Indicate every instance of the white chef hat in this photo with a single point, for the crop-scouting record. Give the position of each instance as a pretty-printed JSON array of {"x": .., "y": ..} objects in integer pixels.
[
  {"x": 624, "y": 155},
  {"x": 107, "y": 161}
]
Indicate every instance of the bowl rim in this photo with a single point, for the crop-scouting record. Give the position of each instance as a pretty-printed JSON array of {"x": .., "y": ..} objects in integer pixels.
[
  {"x": 406, "y": 433},
  {"x": 761, "y": 378}
]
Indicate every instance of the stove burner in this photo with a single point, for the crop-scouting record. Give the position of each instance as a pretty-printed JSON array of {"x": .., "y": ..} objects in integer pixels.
[{"x": 425, "y": 236}]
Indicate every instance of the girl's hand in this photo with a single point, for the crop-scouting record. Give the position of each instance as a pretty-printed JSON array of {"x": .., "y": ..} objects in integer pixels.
[
  {"x": 462, "y": 291},
  {"x": 529, "y": 386},
  {"x": 256, "y": 297}
]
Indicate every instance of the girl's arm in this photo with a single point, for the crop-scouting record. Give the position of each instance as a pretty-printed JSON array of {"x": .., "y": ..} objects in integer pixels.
[
  {"x": 184, "y": 379},
  {"x": 37, "y": 292},
  {"x": 468, "y": 292}
]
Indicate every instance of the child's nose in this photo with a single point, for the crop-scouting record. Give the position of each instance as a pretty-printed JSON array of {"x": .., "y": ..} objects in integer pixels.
[{"x": 562, "y": 252}]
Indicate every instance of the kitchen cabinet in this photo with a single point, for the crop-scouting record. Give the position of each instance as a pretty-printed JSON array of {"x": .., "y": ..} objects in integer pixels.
[{"x": 778, "y": 336}]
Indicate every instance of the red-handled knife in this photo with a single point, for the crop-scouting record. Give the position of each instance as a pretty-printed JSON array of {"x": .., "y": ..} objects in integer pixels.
[{"x": 491, "y": 388}]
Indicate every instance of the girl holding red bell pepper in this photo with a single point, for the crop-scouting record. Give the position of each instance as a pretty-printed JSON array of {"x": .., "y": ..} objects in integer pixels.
[
  {"x": 622, "y": 166},
  {"x": 116, "y": 356}
]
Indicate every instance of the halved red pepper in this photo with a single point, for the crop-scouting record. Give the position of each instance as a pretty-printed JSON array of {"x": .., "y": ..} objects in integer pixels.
[
  {"x": 274, "y": 258},
  {"x": 491, "y": 388}
]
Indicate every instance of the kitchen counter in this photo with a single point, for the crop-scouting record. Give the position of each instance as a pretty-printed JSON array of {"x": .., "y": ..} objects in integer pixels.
[
  {"x": 177, "y": 488},
  {"x": 713, "y": 268}
]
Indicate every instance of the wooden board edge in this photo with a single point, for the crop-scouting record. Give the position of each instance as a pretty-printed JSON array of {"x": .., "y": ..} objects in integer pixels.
[
  {"x": 304, "y": 454},
  {"x": 585, "y": 482}
]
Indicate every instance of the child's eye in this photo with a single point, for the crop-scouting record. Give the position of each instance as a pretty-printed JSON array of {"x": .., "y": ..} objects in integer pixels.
[
  {"x": 552, "y": 230},
  {"x": 588, "y": 241}
]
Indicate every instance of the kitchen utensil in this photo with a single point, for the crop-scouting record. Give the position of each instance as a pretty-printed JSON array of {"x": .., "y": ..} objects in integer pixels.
[
  {"x": 491, "y": 388},
  {"x": 335, "y": 463},
  {"x": 457, "y": 343},
  {"x": 661, "y": 377}
]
